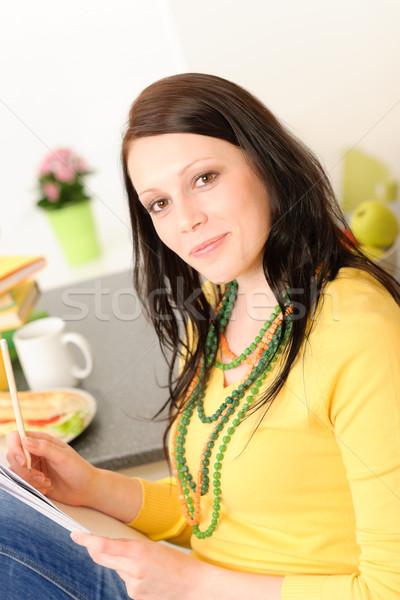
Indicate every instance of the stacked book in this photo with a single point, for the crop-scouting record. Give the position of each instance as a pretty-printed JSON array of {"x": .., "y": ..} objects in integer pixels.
[{"x": 19, "y": 292}]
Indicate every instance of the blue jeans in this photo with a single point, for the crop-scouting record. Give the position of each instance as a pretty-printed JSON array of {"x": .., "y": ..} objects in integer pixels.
[{"x": 39, "y": 561}]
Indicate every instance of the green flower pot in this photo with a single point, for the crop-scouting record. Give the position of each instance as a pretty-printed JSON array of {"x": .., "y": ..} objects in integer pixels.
[{"x": 75, "y": 230}]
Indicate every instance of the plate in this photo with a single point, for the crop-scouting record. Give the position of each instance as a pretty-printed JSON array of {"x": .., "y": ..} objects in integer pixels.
[{"x": 89, "y": 412}]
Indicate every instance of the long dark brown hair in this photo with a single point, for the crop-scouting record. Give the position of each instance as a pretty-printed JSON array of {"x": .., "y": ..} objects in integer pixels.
[{"x": 307, "y": 226}]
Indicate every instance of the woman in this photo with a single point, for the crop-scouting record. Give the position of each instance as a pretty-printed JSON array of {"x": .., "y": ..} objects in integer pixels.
[{"x": 285, "y": 415}]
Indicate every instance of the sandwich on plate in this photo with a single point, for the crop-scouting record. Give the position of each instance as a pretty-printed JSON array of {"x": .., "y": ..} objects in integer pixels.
[{"x": 60, "y": 413}]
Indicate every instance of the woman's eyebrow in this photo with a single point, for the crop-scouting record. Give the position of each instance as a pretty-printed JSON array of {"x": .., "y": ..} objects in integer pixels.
[{"x": 180, "y": 173}]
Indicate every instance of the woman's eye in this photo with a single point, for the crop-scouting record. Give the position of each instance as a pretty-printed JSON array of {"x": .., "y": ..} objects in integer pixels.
[
  {"x": 158, "y": 205},
  {"x": 205, "y": 179}
]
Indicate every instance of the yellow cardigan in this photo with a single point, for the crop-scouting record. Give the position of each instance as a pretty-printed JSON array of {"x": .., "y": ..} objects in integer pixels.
[{"x": 314, "y": 494}]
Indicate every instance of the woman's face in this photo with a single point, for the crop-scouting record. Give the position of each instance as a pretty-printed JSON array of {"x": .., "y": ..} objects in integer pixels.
[{"x": 206, "y": 202}]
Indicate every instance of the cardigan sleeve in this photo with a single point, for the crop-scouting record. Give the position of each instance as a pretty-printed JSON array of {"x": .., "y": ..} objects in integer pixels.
[
  {"x": 361, "y": 371},
  {"x": 161, "y": 516}
]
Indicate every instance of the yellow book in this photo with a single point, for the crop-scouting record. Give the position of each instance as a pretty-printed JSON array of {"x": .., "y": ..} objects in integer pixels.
[
  {"x": 14, "y": 269},
  {"x": 25, "y": 296},
  {"x": 3, "y": 376}
]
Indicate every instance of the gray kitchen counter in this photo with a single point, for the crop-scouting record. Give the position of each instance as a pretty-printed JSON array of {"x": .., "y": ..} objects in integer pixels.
[{"x": 129, "y": 375}]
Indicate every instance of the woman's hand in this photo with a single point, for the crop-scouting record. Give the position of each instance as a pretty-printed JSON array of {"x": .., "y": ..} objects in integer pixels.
[
  {"x": 152, "y": 571},
  {"x": 57, "y": 470},
  {"x": 62, "y": 474}
]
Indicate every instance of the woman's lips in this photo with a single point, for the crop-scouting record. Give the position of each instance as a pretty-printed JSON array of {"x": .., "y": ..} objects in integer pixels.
[{"x": 208, "y": 247}]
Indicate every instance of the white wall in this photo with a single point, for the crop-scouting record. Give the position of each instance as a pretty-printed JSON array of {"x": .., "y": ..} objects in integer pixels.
[
  {"x": 68, "y": 76},
  {"x": 329, "y": 70}
]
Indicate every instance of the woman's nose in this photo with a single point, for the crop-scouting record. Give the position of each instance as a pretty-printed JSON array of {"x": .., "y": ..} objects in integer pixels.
[{"x": 190, "y": 214}]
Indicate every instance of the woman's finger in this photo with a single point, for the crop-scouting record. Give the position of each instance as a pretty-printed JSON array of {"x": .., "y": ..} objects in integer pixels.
[
  {"x": 107, "y": 552},
  {"x": 112, "y": 562},
  {"x": 97, "y": 543},
  {"x": 13, "y": 438},
  {"x": 17, "y": 462},
  {"x": 44, "y": 446},
  {"x": 13, "y": 442},
  {"x": 15, "y": 454},
  {"x": 35, "y": 477},
  {"x": 43, "y": 435}
]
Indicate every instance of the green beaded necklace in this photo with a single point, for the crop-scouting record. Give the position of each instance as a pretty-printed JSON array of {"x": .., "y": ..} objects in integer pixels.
[
  {"x": 242, "y": 357},
  {"x": 223, "y": 414}
]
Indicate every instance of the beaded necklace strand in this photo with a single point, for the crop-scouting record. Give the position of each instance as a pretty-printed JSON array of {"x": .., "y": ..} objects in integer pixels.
[
  {"x": 246, "y": 356},
  {"x": 260, "y": 356}
]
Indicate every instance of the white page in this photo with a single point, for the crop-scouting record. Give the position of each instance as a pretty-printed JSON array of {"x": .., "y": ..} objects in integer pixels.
[
  {"x": 99, "y": 523},
  {"x": 13, "y": 484}
]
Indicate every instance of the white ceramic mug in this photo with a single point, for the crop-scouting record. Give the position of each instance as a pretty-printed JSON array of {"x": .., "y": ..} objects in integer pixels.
[{"x": 45, "y": 356}]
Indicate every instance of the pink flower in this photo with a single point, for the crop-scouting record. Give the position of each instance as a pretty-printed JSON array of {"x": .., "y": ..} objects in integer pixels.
[
  {"x": 82, "y": 166},
  {"x": 62, "y": 154},
  {"x": 51, "y": 191},
  {"x": 64, "y": 172},
  {"x": 45, "y": 166}
]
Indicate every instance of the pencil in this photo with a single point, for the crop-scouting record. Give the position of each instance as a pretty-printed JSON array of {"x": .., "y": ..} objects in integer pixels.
[{"x": 14, "y": 398}]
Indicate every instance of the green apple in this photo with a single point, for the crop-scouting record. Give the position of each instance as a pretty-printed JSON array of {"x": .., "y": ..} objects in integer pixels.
[
  {"x": 372, "y": 252},
  {"x": 373, "y": 224}
]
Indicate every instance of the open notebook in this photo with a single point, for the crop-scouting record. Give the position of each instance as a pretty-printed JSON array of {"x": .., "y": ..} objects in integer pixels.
[{"x": 71, "y": 517}]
